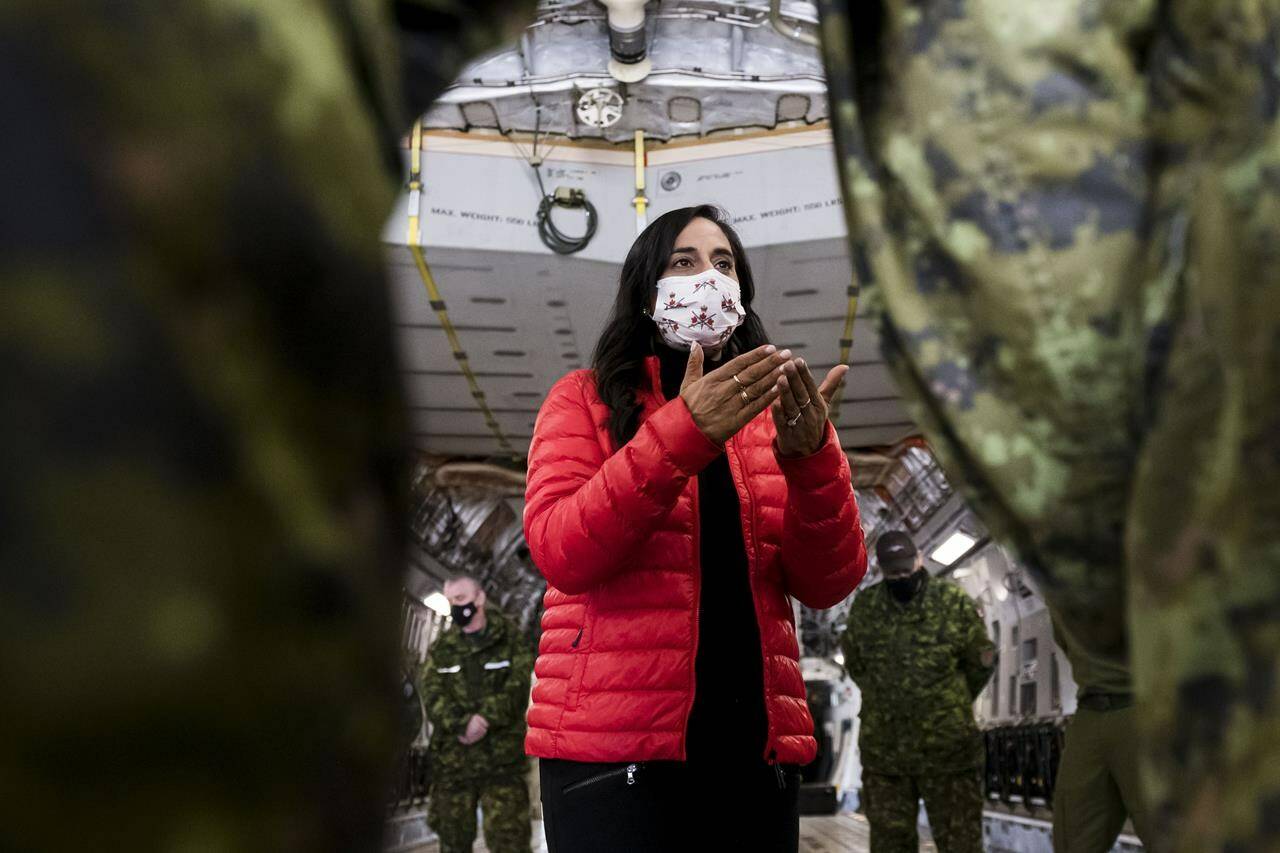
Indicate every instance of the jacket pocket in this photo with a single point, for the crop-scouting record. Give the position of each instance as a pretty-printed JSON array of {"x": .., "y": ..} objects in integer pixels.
[
  {"x": 575, "y": 681},
  {"x": 580, "y": 656}
]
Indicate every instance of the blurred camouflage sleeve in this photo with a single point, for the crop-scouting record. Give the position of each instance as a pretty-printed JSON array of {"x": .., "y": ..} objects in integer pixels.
[
  {"x": 202, "y": 433},
  {"x": 1203, "y": 534},
  {"x": 1065, "y": 215},
  {"x": 509, "y": 705},
  {"x": 994, "y": 195}
]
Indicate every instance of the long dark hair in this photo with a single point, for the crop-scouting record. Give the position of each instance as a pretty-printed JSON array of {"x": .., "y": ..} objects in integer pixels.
[{"x": 630, "y": 336}]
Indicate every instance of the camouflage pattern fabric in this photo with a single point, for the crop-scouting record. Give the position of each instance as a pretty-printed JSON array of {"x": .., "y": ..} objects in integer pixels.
[
  {"x": 953, "y": 802},
  {"x": 1098, "y": 783},
  {"x": 919, "y": 665},
  {"x": 489, "y": 677},
  {"x": 201, "y": 428},
  {"x": 504, "y": 805},
  {"x": 1067, "y": 215}
]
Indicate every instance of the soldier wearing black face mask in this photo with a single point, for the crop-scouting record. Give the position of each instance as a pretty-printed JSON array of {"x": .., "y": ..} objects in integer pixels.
[
  {"x": 475, "y": 685},
  {"x": 919, "y": 651}
]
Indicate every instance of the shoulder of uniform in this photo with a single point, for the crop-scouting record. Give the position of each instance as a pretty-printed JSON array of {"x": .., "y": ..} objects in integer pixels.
[
  {"x": 864, "y": 597},
  {"x": 516, "y": 640},
  {"x": 500, "y": 622},
  {"x": 953, "y": 594},
  {"x": 948, "y": 587},
  {"x": 866, "y": 591},
  {"x": 448, "y": 641}
]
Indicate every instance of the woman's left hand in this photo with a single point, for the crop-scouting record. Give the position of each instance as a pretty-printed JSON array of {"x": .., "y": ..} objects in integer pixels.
[{"x": 800, "y": 412}]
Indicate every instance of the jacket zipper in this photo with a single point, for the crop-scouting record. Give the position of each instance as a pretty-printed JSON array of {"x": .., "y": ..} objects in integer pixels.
[
  {"x": 748, "y": 542},
  {"x": 697, "y": 590},
  {"x": 630, "y": 770},
  {"x": 578, "y": 638},
  {"x": 697, "y": 606}
]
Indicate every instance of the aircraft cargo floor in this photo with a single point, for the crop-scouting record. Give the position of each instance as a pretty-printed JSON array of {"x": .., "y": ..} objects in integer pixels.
[{"x": 843, "y": 833}]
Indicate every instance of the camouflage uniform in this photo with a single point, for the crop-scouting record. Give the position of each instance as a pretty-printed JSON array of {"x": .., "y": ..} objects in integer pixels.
[
  {"x": 1067, "y": 213},
  {"x": 201, "y": 433},
  {"x": 486, "y": 674},
  {"x": 919, "y": 665}
]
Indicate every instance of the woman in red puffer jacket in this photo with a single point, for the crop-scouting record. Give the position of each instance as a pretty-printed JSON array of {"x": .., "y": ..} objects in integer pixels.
[{"x": 679, "y": 495}]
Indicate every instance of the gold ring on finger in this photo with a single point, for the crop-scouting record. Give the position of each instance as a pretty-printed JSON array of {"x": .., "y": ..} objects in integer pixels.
[
  {"x": 793, "y": 421},
  {"x": 746, "y": 400},
  {"x": 805, "y": 404},
  {"x": 739, "y": 381}
]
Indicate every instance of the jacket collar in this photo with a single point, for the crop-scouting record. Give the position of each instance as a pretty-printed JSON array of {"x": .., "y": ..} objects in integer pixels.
[
  {"x": 495, "y": 630},
  {"x": 653, "y": 369}
]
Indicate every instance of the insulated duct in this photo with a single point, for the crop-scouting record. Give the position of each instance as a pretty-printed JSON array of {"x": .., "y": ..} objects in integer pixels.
[{"x": 629, "y": 61}]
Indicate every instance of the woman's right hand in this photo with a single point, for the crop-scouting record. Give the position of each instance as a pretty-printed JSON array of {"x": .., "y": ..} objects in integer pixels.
[{"x": 722, "y": 404}]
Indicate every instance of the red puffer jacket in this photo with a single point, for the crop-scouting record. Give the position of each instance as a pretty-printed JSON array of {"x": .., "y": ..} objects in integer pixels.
[{"x": 616, "y": 536}]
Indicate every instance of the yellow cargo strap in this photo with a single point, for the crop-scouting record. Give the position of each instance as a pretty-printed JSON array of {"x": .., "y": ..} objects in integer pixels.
[
  {"x": 414, "y": 240},
  {"x": 640, "y": 202}
]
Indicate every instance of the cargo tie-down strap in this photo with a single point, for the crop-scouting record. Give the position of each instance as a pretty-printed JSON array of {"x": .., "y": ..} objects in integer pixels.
[{"x": 414, "y": 241}]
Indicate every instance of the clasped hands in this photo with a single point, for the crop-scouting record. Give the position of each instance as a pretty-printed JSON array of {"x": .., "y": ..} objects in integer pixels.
[
  {"x": 725, "y": 400},
  {"x": 477, "y": 727}
]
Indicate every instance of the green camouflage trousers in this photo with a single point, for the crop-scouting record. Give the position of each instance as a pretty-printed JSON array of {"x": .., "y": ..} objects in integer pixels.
[
  {"x": 1068, "y": 218},
  {"x": 504, "y": 803},
  {"x": 953, "y": 802},
  {"x": 1098, "y": 784}
]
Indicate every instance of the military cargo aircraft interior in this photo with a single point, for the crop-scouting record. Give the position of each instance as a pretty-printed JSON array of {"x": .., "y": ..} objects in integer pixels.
[{"x": 526, "y": 184}]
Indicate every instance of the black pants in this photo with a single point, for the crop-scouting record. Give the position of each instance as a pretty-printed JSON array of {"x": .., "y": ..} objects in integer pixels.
[{"x": 669, "y": 806}]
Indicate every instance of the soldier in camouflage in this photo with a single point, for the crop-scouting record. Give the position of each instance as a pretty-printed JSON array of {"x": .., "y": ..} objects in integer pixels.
[
  {"x": 475, "y": 684},
  {"x": 1067, "y": 216},
  {"x": 202, "y": 432},
  {"x": 919, "y": 652}
]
